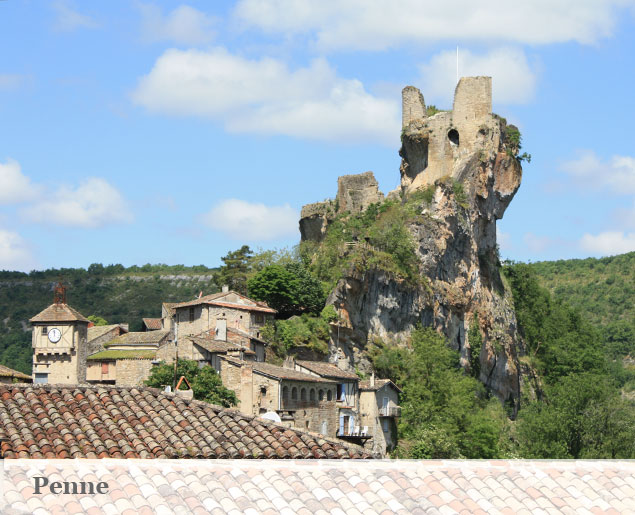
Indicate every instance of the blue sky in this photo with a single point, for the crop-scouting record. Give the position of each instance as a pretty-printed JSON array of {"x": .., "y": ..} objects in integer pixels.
[{"x": 136, "y": 132}]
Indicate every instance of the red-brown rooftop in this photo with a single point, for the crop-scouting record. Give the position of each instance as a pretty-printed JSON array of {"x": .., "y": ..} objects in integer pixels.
[{"x": 58, "y": 421}]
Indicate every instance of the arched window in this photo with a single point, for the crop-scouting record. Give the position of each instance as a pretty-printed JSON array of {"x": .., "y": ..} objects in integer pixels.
[
  {"x": 453, "y": 136},
  {"x": 312, "y": 394},
  {"x": 285, "y": 393},
  {"x": 303, "y": 394},
  {"x": 321, "y": 395},
  {"x": 329, "y": 395},
  {"x": 294, "y": 393}
]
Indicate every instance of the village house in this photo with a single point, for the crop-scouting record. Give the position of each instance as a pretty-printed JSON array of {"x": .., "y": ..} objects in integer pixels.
[
  {"x": 283, "y": 394},
  {"x": 127, "y": 359},
  {"x": 379, "y": 408}
]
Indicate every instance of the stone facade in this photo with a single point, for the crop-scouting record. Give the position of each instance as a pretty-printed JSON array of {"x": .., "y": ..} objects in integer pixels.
[
  {"x": 62, "y": 362},
  {"x": 379, "y": 408}
]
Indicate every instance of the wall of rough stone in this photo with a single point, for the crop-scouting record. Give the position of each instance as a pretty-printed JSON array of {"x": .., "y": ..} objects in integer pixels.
[
  {"x": 132, "y": 372},
  {"x": 413, "y": 106},
  {"x": 356, "y": 192},
  {"x": 370, "y": 403}
]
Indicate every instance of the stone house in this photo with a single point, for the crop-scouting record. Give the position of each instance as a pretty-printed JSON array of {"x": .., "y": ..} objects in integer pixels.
[
  {"x": 216, "y": 313},
  {"x": 127, "y": 360},
  {"x": 59, "y": 343},
  {"x": 299, "y": 400},
  {"x": 10, "y": 376},
  {"x": 346, "y": 395},
  {"x": 379, "y": 408}
]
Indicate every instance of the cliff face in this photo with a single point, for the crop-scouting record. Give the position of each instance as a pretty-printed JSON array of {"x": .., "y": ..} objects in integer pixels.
[{"x": 466, "y": 162}]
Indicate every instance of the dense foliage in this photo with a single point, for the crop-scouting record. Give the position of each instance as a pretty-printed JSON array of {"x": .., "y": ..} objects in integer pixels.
[
  {"x": 290, "y": 289},
  {"x": 206, "y": 383}
]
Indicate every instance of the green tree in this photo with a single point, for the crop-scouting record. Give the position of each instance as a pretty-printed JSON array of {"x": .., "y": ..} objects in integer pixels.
[
  {"x": 236, "y": 269},
  {"x": 584, "y": 416},
  {"x": 290, "y": 289},
  {"x": 97, "y": 320},
  {"x": 443, "y": 410},
  {"x": 206, "y": 383}
]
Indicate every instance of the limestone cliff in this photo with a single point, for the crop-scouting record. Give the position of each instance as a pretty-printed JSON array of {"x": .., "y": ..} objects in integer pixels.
[{"x": 467, "y": 164}]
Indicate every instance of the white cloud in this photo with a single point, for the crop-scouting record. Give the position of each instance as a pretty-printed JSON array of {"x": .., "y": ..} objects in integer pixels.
[
  {"x": 608, "y": 243},
  {"x": 14, "y": 252},
  {"x": 241, "y": 220},
  {"x": 264, "y": 96},
  {"x": 589, "y": 172},
  {"x": 15, "y": 187},
  {"x": 537, "y": 243},
  {"x": 94, "y": 203},
  {"x": 380, "y": 24},
  {"x": 69, "y": 19},
  {"x": 513, "y": 80},
  {"x": 10, "y": 81},
  {"x": 183, "y": 25}
]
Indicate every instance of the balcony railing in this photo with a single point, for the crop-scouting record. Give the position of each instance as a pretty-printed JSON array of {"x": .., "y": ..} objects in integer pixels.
[{"x": 390, "y": 411}]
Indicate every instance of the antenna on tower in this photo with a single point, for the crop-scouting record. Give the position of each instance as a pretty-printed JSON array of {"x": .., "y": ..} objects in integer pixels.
[{"x": 457, "y": 64}]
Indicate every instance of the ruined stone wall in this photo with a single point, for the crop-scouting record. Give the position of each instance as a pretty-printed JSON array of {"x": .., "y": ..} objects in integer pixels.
[
  {"x": 412, "y": 105},
  {"x": 356, "y": 192}
]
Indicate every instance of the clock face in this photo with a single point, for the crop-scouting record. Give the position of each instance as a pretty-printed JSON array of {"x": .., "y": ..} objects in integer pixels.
[{"x": 55, "y": 335}]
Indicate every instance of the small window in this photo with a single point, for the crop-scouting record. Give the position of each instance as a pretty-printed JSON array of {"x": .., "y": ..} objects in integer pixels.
[
  {"x": 104, "y": 368},
  {"x": 44, "y": 330},
  {"x": 263, "y": 391},
  {"x": 453, "y": 136},
  {"x": 341, "y": 392},
  {"x": 321, "y": 395},
  {"x": 329, "y": 395},
  {"x": 41, "y": 378},
  {"x": 259, "y": 319},
  {"x": 294, "y": 394},
  {"x": 312, "y": 394},
  {"x": 285, "y": 393},
  {"x": 303, "y": 394},
  {"x": 307, "y": 424},
  {"x": 191, "y": 314}
]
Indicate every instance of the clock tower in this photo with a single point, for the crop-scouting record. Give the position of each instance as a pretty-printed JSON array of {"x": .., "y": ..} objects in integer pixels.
[{"x": 59, "y": 343}]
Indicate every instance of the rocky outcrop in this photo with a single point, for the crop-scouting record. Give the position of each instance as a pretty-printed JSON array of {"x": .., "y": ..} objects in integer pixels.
[{"x": 473, "y": 180}]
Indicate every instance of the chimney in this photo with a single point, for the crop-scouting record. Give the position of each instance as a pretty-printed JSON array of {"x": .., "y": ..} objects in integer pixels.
[
  {"x": 289, "y": 362},
  {"x": 221, "y": 329},
  {"x": 225, "y": 288},
  {"x": 372, "y": 379}
]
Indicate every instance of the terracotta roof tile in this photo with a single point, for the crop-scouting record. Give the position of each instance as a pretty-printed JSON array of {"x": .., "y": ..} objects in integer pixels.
[
  {"x": 59, "y": 313},
  {"x": 285, "y": 373},
  {"x": 379, "y": 383},
  {"x": 153, "y": 324},
  {"x": 58, "y": 421},
  {"x": 213, "y": 300},
  {"x": 217, "y": 346},
  {"x": 98, "y": 331}
]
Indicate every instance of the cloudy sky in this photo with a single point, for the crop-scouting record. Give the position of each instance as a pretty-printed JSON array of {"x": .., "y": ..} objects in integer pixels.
[{"x": 136, "y": 132}]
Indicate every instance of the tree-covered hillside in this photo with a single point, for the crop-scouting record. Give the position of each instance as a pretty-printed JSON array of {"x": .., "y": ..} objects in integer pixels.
[{"x": 115, "y": 293}]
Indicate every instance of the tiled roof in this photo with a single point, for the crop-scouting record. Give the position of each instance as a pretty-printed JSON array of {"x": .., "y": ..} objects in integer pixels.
[
  {"x": 245, "y": 334},
  {"x": 122, "y": 354},
  {"x": 59, "y": 313},
  {"x": 98, "y": 331},
  {"x": 327, "y": 369},
  {"x": 218, "y": 346},
  {"x": 9, "y": 372},
  {"x": 343, "y": 487},
  {"x": 280, "y": 372},
  {"x": 169, "y": 306},
  {"x": 59, "y": 421},
  {"x": 379, "y": 383},
  {"x": 212, "y": 299},
  {"x": 153, "y": 324},
  {"x": 140, "y": 338}
]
